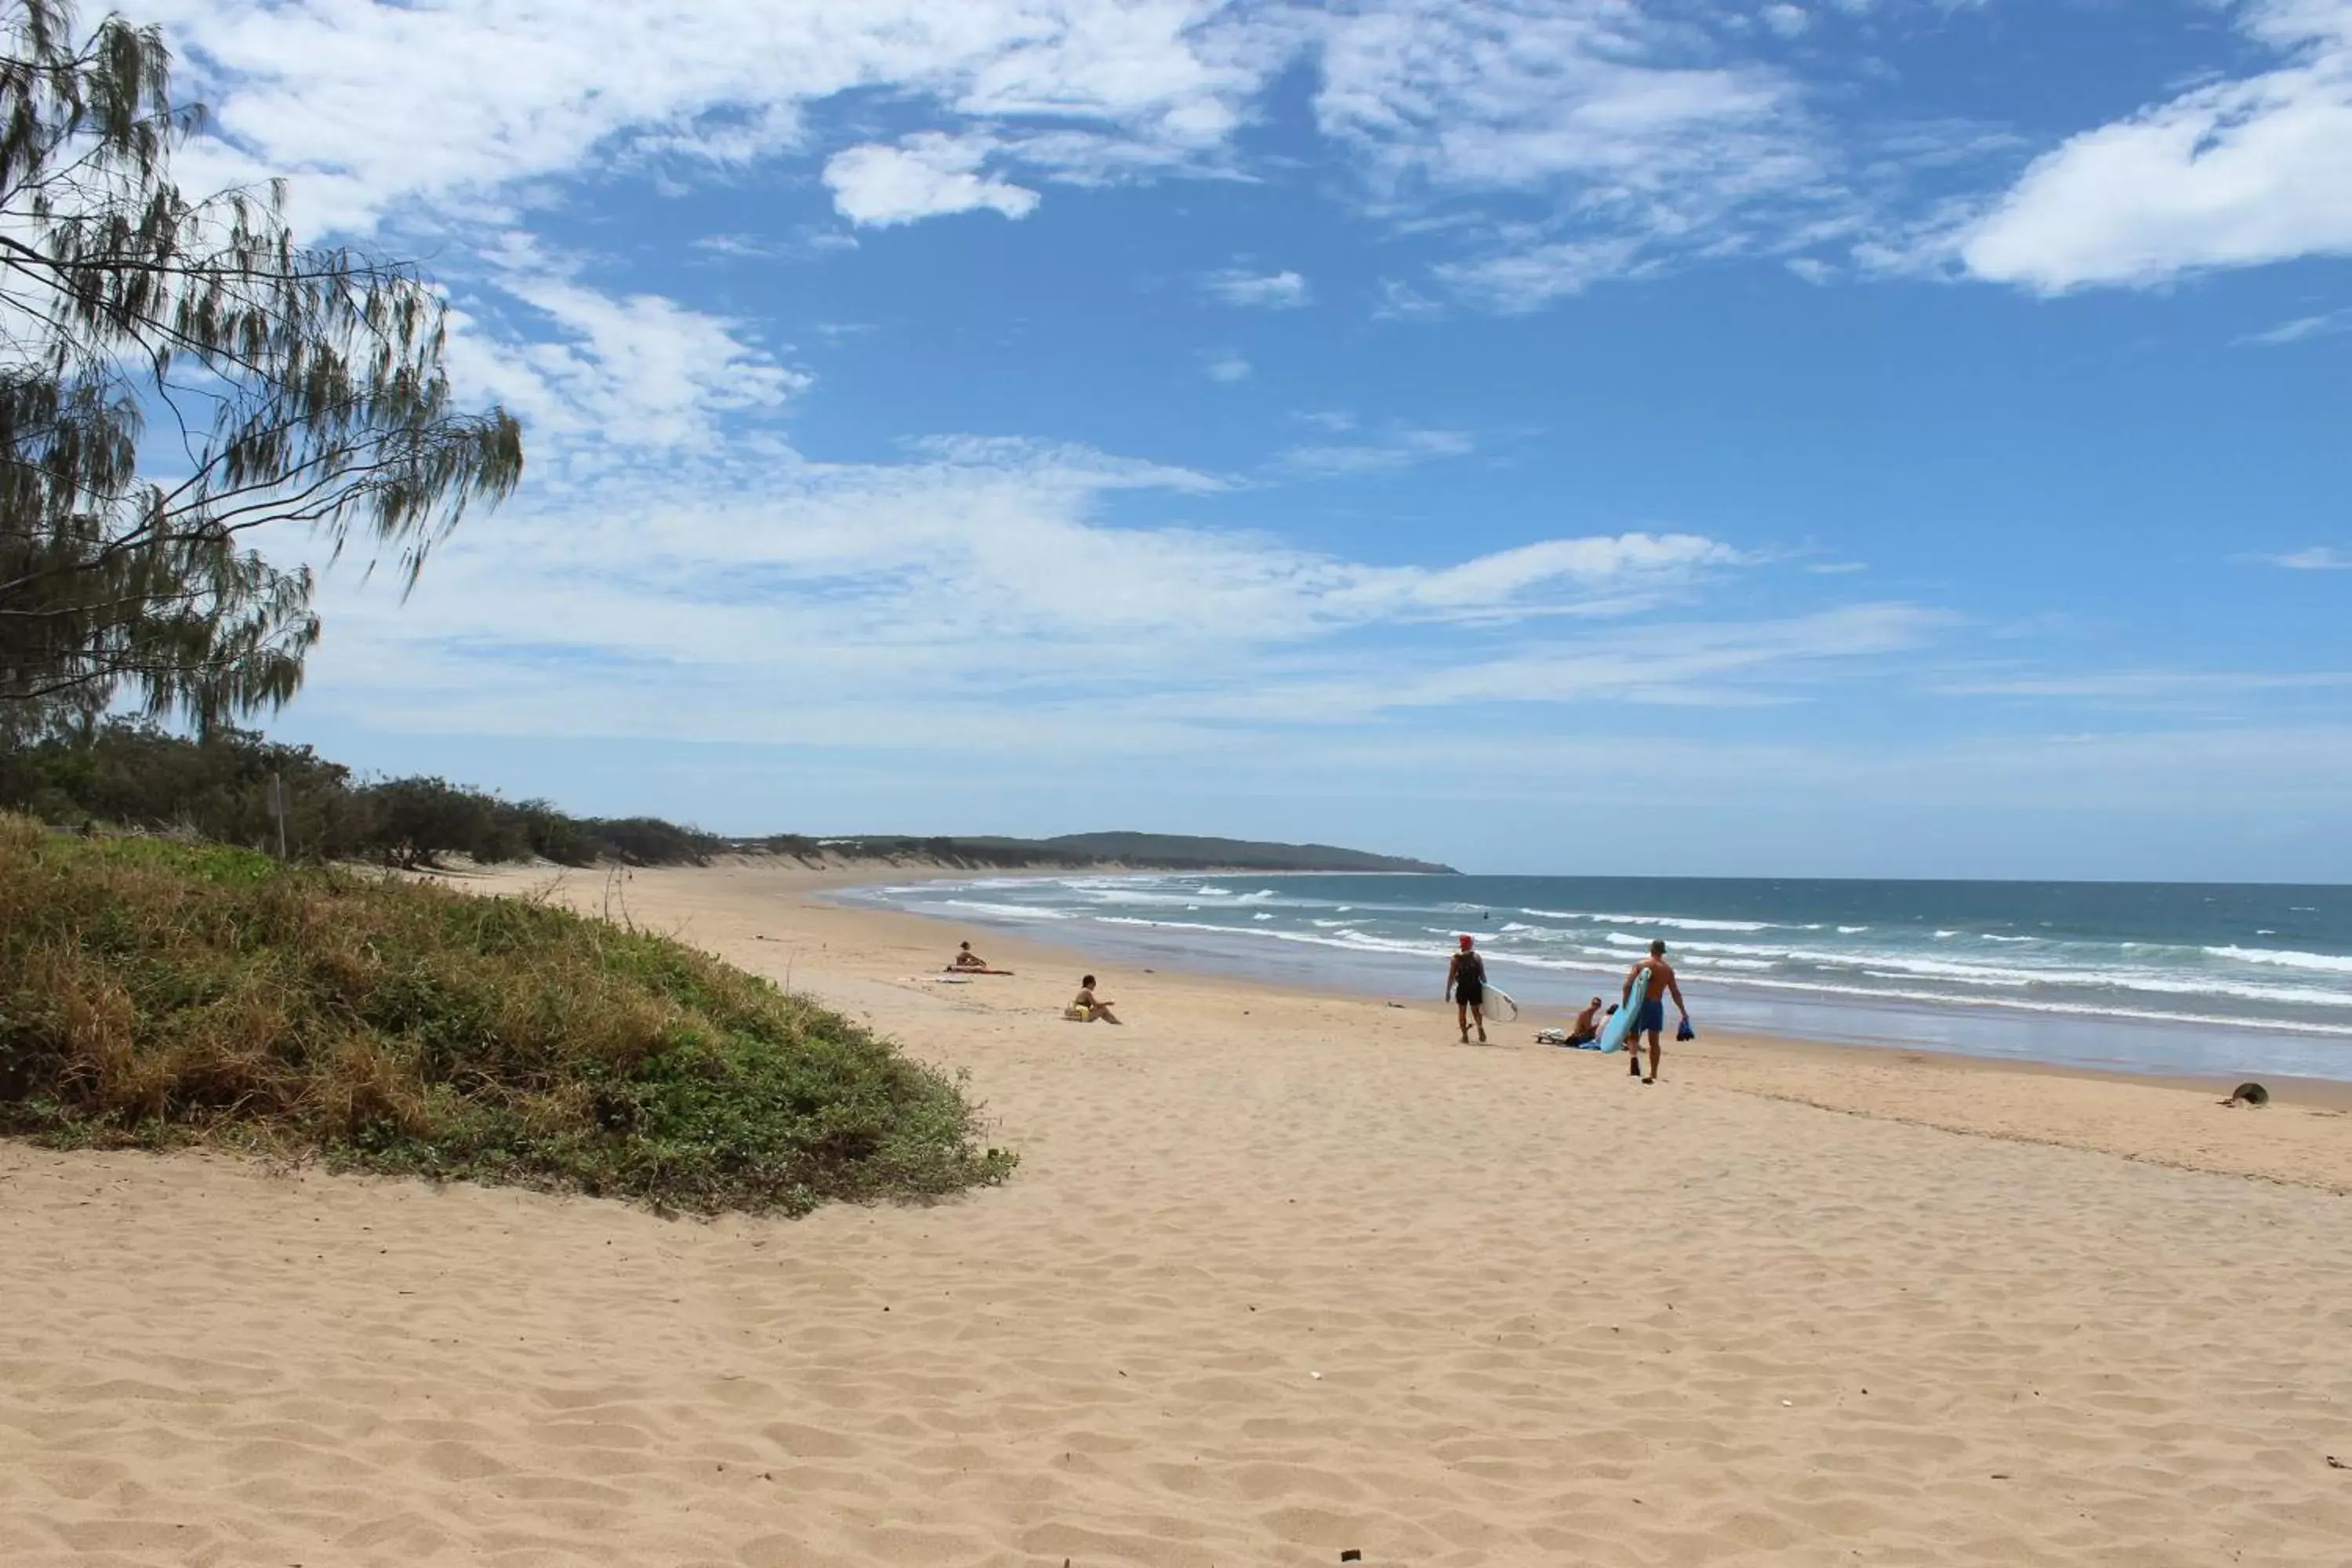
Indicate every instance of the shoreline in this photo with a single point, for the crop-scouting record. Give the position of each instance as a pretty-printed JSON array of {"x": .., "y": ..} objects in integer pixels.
[
  {"x": 844, "y": 952},
  {"x": 2291, "y": 1087}
]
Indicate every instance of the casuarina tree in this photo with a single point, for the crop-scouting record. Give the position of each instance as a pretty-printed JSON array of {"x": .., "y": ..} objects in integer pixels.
[{"x": 176, "y": 374}]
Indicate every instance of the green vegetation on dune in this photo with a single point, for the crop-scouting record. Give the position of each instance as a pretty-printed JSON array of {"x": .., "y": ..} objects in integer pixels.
[{"x": 155, "y": 994}]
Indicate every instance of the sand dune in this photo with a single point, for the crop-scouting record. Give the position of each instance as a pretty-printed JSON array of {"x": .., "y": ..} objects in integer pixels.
[{"x": 1279, "y": 1277}]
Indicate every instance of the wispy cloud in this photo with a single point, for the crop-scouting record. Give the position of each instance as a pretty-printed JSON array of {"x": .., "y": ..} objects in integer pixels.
[
  {"x": 1402, "y": 450},
  {"x": 1645, "y": 145},
  {"x": 2317, "y": 558},
  {"x": 2151, "y": 688},
  {"x": 596, "y": 372},
  {"x": 2326, "y": 324},
  {"x": 1227, "y": 367},
  {"x": 1259, "y": 291},
  {"x": 714, "y": 601}
]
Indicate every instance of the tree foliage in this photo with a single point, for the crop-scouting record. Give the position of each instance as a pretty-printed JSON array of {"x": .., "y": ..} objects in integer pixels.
[
  {"x": 130, "y": 773},
  {"x": 177, "y": 372}
]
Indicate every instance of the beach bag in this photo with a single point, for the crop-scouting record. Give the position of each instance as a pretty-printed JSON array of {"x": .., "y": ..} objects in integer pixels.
[
  {"x": 1683, "y": 1031},
  {"x": 1551, "y": 1036}
]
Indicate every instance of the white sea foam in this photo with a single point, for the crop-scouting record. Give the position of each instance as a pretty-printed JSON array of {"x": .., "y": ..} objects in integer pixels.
[
  {"x": 2284, "y": 958},
  {"x": 1008, "y": 911},
  {"x": 1681, "y": 923}
]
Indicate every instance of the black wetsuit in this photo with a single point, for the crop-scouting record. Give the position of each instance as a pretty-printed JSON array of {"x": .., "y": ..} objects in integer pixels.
[{"x": 1469, "y": 979}]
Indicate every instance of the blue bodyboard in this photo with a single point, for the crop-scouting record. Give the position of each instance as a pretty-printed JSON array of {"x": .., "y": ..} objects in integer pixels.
[{"x": 1620, "y": 1022}]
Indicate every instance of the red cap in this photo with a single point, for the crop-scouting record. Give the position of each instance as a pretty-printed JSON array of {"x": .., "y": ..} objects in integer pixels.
[{"x": 1465, "y": 942}]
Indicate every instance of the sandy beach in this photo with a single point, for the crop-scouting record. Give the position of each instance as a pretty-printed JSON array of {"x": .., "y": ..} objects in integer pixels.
[{"x": 1279, "y": 1277}]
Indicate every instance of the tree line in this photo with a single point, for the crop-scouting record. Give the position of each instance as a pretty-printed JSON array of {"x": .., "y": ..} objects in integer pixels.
[{"x": 129, "y": 774}]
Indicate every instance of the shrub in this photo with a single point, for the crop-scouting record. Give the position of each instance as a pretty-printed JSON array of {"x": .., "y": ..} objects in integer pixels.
[{"x": 156, "y": 993}]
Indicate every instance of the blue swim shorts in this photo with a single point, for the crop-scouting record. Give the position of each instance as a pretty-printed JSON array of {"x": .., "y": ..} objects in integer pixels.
[{"x": 1652, "y": 1016}]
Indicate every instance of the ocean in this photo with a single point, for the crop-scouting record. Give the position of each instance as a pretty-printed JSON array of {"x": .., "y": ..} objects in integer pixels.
[{"x": 2152, "y": 977}]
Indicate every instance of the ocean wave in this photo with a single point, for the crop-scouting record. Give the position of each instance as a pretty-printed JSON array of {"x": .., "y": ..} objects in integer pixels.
[
  {"x": 1681, "y": 923},
  {"x": 1886, "y": 965},
  {"x": 2284, "y": 958},
  {"x": 1008, "y": 911}
]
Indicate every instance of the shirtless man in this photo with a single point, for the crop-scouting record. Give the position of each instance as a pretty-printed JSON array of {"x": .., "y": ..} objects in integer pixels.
[
  {"x": 1652, "y": 1015},
  {"x": 1465, "y": 982},
  {"x": 1587, "y": 1028}
]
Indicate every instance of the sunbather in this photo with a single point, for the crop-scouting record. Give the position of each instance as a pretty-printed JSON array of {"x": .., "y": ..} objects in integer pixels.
[
  {"x": 967, "y": 961},
  {"x": 1089, "y": 1007}
]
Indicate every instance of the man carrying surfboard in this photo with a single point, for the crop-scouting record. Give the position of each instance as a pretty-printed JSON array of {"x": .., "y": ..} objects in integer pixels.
[
  {"x": 1465, "y": 982},
  {"x": 1658, "y": 983}
]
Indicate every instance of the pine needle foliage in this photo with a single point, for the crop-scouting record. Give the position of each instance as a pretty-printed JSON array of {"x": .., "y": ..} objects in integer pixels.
[
  {"x": 157, "y": 995},
  {"x": 177, "y": 372}
]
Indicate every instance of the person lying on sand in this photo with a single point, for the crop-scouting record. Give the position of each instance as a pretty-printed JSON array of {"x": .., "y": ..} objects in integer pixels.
[
  {"x": 967, "y": 961},
  {"x": 1089, "y": 1007}
]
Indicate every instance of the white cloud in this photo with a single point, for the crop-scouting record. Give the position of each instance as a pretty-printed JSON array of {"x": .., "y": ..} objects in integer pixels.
[
  {"x": 2235, "y": 173},
  {"x": 2318, "y": 558},
  {"x": 1227, "y": 368},
  {"x": 2326, "y": 324},
  {"x": 2225, "y": 690},
  {"x": 924, "y": 176},
  {"x": 1402, "y": 450},
  {"x": 376, "y": 110},
  {"x": 1789, "y": 21},
  {"x": 1265, "y": 290},
  {"x": 980, "y": 572},
  {"x": 1544, "y": 274},
  {"x": 1642, "y": 142},
  {"x": 588, "y": 371}
]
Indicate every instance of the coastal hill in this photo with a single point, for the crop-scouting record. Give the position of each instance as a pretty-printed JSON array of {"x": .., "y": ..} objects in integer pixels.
[{"x": 1076, "y": 851}]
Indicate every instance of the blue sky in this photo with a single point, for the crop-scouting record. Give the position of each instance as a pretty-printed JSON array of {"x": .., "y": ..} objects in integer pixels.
[{"x": 1856, "y": 437}]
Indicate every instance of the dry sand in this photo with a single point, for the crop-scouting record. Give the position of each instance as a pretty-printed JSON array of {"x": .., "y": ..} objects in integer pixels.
[{"x": 1279, "y": 1277}]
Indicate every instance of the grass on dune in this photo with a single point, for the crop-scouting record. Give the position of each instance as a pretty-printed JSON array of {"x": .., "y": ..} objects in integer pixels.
[{"x": 155, "y": 994}]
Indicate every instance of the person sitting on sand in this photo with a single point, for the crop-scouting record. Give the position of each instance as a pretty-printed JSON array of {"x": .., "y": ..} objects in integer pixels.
[
  {"x": 1587, "y": 1027},
  {"x": 1087, "y": 1007},
  {"x": 1465, "y": 982},
  {"x": 966, "y": 959}
]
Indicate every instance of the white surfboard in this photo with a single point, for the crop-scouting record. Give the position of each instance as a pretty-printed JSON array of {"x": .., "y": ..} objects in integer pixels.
[{"x": 1500, "y": 1004}]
